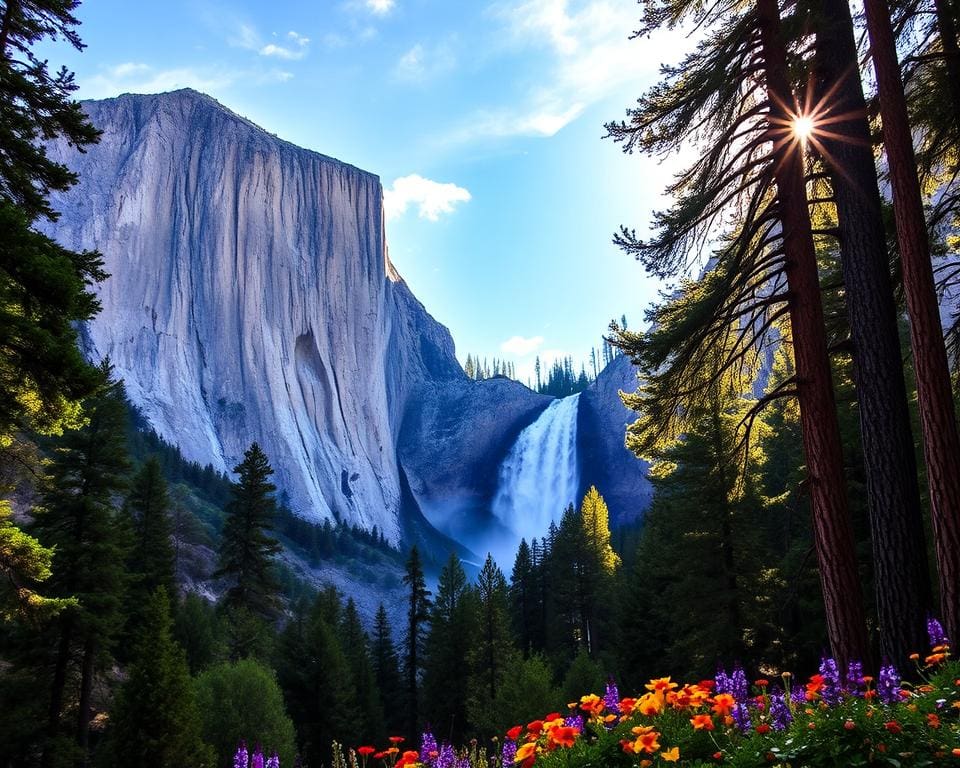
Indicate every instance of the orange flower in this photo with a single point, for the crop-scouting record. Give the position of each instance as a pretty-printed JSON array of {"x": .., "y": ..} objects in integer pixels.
[
  {"x": 702, "y": 723},
  {"x": 535, "y": 727},
  {"x": 660, "y": 685},
  {"x": 849, "y": 725},
  {"x": 392, "y": 751},
  {"x": 627, "y": 705},
  {"x": 647, "y": 742},
  {"x": 763, "y": 728},
  {"x": 814, "y": 687},
  {"x": 933, "y": 720},
  {"x": 914, "y": 657},
  {"x": 893, "y": 726},
  {"x": 364, "y": 751},
  {"x": 671, "y": 755},
  {"x": 526, "y": 754},
  {"x": 718, "y": 755},
  {"x": 564, "y": 736},
  {"x": 723, "y": 704},
  {"x": 514, "y": 733},
  {"x": 934, "y": 659},
  {"x": 380, "y": 755},
  {"x": 408, "y": 758},
  {"x": 761, "y": 683},
  {"x": 396, "y": 739},
  {"x": 955, "y": 752},
  {"x": 592, "y": 703},
  {"x": 651, "y": 704}
]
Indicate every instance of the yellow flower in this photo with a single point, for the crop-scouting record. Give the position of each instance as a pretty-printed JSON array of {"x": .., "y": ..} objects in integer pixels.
[
  {"x": 661, "y": 684},
  {"x": 671, "y": 755},
  {"x": 651, "y": 704}
]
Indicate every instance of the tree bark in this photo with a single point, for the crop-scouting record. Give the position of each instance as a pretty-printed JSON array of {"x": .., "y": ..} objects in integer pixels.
[
  {"x": 833, "y": 532},
  {"x": 57, "y": 688},
  {"x": 84, "y": 709},
  {"x": 893, "y": 496},
  {"x": 941, "y": 439}
]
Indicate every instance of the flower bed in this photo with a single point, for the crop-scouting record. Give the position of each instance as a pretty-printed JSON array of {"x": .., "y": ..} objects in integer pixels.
[{"x": 836, "y": 718}]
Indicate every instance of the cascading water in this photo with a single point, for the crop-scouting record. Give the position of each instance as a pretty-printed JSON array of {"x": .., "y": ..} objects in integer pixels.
[{"x": 540, "y": 476}]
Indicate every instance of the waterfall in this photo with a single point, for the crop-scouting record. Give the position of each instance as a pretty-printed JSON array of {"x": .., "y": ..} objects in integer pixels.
[{"x": 539, "y": 477}]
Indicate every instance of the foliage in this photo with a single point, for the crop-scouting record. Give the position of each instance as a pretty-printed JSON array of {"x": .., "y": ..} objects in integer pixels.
[
  {"x": 246, "y": 548},
  {"x": 156, "y": 714},
  {"x": 242, "y": 700}
]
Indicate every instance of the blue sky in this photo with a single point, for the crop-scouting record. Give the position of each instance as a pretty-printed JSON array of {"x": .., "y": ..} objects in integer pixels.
[{"x": 483, "y": 119}]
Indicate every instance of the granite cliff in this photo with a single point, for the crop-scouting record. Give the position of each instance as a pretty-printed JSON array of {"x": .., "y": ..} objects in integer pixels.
[{"x": 252, "y": 298}]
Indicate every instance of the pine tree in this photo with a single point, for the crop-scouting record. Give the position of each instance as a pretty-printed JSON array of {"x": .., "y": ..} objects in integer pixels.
[
  {"x": 492, "y": 650},
  {"x": 79, "y": 521},
  {"x": 156, "y": 718},
  {"x": 445, "y": 676},
  {"x": 246, "y": 548},
  {"x": 152, "y": 560},
  {"x": 386, "y": 669},
  {"x": 524, "y": 598},
  {"x": 418, "y": 614},
  {"x": 356, "y": 646}
]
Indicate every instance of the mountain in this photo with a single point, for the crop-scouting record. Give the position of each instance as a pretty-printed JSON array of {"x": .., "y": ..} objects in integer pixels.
[{"x": 251, "y": 298}]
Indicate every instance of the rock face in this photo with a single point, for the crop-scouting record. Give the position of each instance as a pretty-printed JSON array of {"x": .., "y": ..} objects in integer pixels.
[
  {"x": 252, "y": 299},
  {"x": 604, "y": 460}
]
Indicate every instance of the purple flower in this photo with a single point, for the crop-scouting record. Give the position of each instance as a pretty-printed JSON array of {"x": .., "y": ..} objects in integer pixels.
[
  {"x": 780, "y": 717},
  {"x": 273, "y": 761},
  {"x": 257, "y": 761},
  {"x": 798, "y": 695},
  {"x": 462, "y": 762},
  {"x": 446, "y": 758},
  {"x": 428, "y": 747},
  {"x": 855, "y": 678},
  {"x": 741, "y": 716},
  {"x": 574, "y": 721},
  {"x": 242, "y": 758},
  {"x": 508, "y": 754},
  {"x": 935, "y": 633},
  {"x": 612, "y": 698},
  {"x": 722, "y": 680},
  {"x": 831, "y": 680},
  {"x": 888, "y": 684},
  {"x": 739, "y": 687}
]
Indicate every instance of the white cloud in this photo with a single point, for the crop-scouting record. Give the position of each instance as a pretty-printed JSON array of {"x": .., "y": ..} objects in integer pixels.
[
  {"x": 247, "y": 37},
  {"x": 137, "y": 77},
  {"x": 380, "y": 7},
  {"x": 589, "y": 57},
  {"x": 431, "y": 197},
  {"x": 419, "y": 64},
  {"x": 520, "y": 346}
]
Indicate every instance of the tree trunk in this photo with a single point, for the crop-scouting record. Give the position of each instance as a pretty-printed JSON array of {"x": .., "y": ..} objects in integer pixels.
[
  {"x": 951, "y": 50},
  {"x": 941, "y": 440},
  {"x": 893, "y": 496},
  {"x": 833, "y": 532},
  {"x": 56, "y": 690},
  {"x": 84, "y": 710}
]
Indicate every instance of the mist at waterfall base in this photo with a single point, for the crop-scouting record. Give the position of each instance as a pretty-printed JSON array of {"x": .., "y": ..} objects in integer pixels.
[{"x": 537, "y": 479}]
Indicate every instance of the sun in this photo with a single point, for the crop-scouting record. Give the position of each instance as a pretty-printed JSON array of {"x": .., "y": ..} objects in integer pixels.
[{"x": 802, "y": 127}]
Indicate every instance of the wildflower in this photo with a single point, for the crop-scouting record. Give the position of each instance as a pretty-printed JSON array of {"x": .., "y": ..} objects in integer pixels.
[
  {"x": 723, "y": 704},
  {"x": 257, "y": 760},
  {"x": 935, "y": 658},
  {"x": 241, "y": 757},
  {"x": 741, "y": 716},
  {"x": 396, "y": 739},
  {"x": 893, "y": 726},
  {"x": 718, "y": 755},
  {"x": 831, "y": 680},
  {"x": 273, "y": 761},
  {"x": 935, "y": 632},
  {"x": 780, "y": 717},
  {"x": 574, "y": 721},
  {"x": 507, "y": 756},
  {"x": 761, "y": 683},
  {"x": 702, "y": 723},
  {"x": 814, "y": 687},
  {"x": 626, "y": 705},
  {"x": 661, "y": 685},
  {"x": 854, "y": 679},
  {"x": 888, "y": 685},
  {"x": 763, "y": 728},
  {"x": 535, "y": 728},
  {"x": 798, "y": 695},
  {"x": 593, "y": 704},
  {"x": 446, "y": 758},
  {"x": 428, "y": 748},
  {"x": 647, "y": 741},
  {"x": 514, "y": 733},
  {"x": 955, "y": 752},
  {"x": 849, "y": 725},
  {"x": 611, "y": 698},
  {"x": 914, "y": 657},
  {"x": 933, "y": 720},
  {"x": 563, "y": 736},
  {"x": 722, "y": 683},
  {"x": 365, "y": 751},
  {"x": 739, "y": 687},
  {"x": 526, "y": 754},
  {"x": 651, "y": 704},
  {"x": 672, "y": 755}
]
